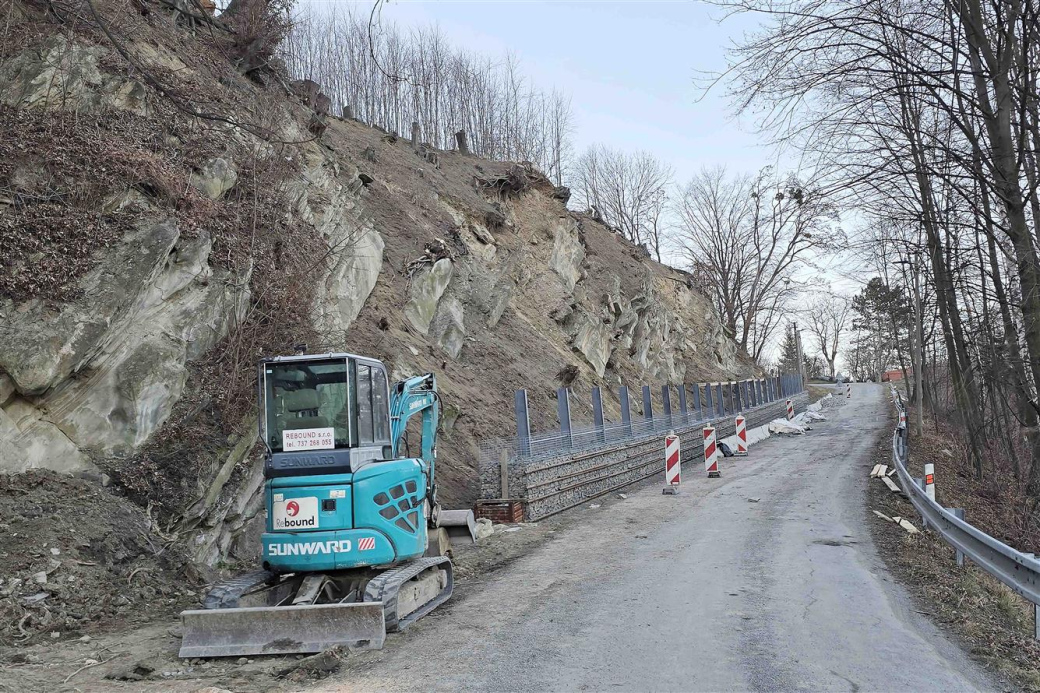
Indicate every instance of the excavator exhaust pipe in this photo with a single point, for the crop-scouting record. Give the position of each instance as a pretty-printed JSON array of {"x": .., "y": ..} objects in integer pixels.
[
  {"x": 282, "y": 629},
  {"x": 460, "y": 525}
]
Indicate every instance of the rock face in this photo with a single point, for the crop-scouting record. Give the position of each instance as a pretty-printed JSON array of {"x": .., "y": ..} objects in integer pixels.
[
  {"x": 103, "y": 372},
  {"x": 215, "y": 178},
  {"x": 427, "y": 289},
  {"x": 567, "y": 254},
  {"x": 65, "y": 74},
  {"x": 518, "y": 290}
]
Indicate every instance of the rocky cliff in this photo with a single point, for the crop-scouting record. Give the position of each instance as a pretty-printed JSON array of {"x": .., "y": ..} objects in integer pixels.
[{"x": 165, "y": 221}]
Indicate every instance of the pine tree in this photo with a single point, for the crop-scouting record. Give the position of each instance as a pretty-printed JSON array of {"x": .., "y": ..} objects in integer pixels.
[{"x": 789, "y": 354}]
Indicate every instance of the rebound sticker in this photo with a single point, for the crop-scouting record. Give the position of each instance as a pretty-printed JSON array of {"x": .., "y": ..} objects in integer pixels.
[{"x": 308, "y": 439}]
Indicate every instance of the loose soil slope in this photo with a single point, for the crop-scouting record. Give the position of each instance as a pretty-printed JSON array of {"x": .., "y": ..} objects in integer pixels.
[{"x": 165, "y": 221}]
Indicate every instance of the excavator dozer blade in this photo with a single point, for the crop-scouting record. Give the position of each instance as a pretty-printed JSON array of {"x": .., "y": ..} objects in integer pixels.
[
  {"x": 282, "y": 629},
  {"x": 461, "y": 526}
]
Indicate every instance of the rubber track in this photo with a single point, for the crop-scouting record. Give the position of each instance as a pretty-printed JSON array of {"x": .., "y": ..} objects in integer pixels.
[
  {"x": 225, "y": 595},
  {"x": 386, "y": 586}
]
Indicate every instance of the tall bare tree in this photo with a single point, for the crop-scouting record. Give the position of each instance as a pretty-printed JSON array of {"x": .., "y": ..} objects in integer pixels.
[
  {"x": 391, "y": 77},
  {"x": 745, "y": 238},
  {"x": 829, "y": 317},
  {"x": 627, "y": 190}
]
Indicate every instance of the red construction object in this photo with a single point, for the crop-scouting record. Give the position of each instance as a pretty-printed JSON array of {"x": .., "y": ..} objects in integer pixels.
[
  {"x": 790, "y": 410},
  {"x": 672, "y": 468},
  {"x": 711, "y": 453},
  {"x": 742, "y": 446}
]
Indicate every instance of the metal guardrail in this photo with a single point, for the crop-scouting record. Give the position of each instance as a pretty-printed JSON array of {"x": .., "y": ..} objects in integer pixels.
[{"x": 1019, "y": 571}]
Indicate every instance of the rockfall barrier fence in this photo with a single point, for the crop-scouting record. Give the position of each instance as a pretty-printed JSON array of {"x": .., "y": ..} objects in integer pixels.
[{"x": 539, "y": 474}]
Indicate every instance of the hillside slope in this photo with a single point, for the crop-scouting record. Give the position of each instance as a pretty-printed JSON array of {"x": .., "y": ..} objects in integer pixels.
[{"x": 164, "y": 222}]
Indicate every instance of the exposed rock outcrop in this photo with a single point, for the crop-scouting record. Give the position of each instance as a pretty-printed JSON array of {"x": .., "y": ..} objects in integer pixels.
[
  {"x": 427, "y": 289},
  {"x": 512, "y": 289}
]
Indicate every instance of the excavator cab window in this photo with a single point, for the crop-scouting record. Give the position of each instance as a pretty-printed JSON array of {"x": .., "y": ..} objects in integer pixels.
[
  {"x": 307, "y": 405},
  {"x": 373, "y": 412}
]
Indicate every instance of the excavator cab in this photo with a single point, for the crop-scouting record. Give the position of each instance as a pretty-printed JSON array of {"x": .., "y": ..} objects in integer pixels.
[{"x": 336, "y": 497}]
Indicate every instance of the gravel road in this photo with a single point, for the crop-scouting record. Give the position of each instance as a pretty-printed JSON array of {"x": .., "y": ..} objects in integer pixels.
[{"x": 705, "y": 591}]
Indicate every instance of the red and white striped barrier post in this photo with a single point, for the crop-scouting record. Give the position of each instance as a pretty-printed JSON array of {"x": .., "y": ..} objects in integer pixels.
[
  {"x": 902, "y": 420},
  {"x": 711, "y": 453},
  {"x": 790, "y": 410},
  {"x": 741, "y": 427},
  {"x": 672, "y": 467},
  {"x": 929, "y": 481},
  {"x": 848, "y": 390}
]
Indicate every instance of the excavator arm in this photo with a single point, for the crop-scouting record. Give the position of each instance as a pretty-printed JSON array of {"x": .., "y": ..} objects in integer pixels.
[
  {"x": 417, "y": 395},
  {"x": 411, "y": 397}
]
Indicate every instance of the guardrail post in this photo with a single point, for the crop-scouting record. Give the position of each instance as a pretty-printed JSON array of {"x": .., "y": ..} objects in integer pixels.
[
  {"x": 757, "y": 387},
  {"x": 563, "y": 411},
  {"x": 597, "y": 415},
  {"x": 666, "y": 399},
  {"x": 683, "y": 410},
  {"x": 919, "y": 480},
  {"x": 745, "y": 402},
  {"x": 648, "y": 406},
  {"x": 709, "y": 401},
  {"x": 697, "y": 401},
  {"x": 626, "y": 409},
  {"x": 523, "y": 422},
  {"x": 720, "y": 405},
  {"x": 959, "y": 514}
]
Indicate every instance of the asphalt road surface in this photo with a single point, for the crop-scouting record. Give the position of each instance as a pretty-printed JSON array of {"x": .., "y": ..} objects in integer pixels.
[{"x": 705, "y": 591}]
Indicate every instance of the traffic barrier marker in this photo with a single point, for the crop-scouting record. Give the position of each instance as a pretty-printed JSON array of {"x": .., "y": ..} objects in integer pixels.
[
  {"x": 711, "y": 453},
  {"x": 740, "y": 423},
  {"x": 790, "y": 410},
  {"x": 672, "y": 466},
  {"x": 848, "y": 390},
  {"x": 929, "y": 481}
]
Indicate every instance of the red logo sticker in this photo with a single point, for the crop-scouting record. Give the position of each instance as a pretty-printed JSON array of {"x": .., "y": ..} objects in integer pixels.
[{"x": 292, "y": 508}]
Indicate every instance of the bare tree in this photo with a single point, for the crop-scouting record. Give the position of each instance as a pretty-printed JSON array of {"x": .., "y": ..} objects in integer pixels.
[
  {"x": 392, "y": 78},
  {"x": 628, "y": 191},
  {"x": 829, "y": 317},
  {"x": 745, "y": 238}
]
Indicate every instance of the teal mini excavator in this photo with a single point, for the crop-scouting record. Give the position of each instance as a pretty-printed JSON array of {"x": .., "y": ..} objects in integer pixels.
[{"x": 347, "y": 555}]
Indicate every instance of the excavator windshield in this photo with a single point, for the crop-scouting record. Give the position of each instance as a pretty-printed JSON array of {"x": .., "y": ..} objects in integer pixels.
[{"x": 307, "y": 405}]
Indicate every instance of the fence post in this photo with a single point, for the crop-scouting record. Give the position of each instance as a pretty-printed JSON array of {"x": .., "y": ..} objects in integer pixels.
[
  {"x": 697, "y": 401},
  {"x": 648, "y": 406},
  {"x": 959, "y": 514},
  {"x": 460, "y": 141},
  {"x": 563, "y": 411},
  {"x": 503, "y": 471},
  {"x": 597, "y": 415},
  {"x": 666, "y": 399},
  {"x": 683, "y": 410},
  {"x": 720, "y": 406},
  {"x": 626, "y": 409},
  {"x": 523, "y": 423}
]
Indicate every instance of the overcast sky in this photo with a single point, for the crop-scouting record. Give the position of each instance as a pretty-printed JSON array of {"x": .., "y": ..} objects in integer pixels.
[{"x": 630, "y": 67}]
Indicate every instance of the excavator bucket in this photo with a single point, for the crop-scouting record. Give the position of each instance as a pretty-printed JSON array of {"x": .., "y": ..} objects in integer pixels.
[
  {"x": 460, "y": 525},
  {"x": 282, "y": 629}
]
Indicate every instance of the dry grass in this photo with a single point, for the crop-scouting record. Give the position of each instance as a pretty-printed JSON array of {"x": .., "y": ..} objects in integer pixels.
[{"x": 994, "y": 624}]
